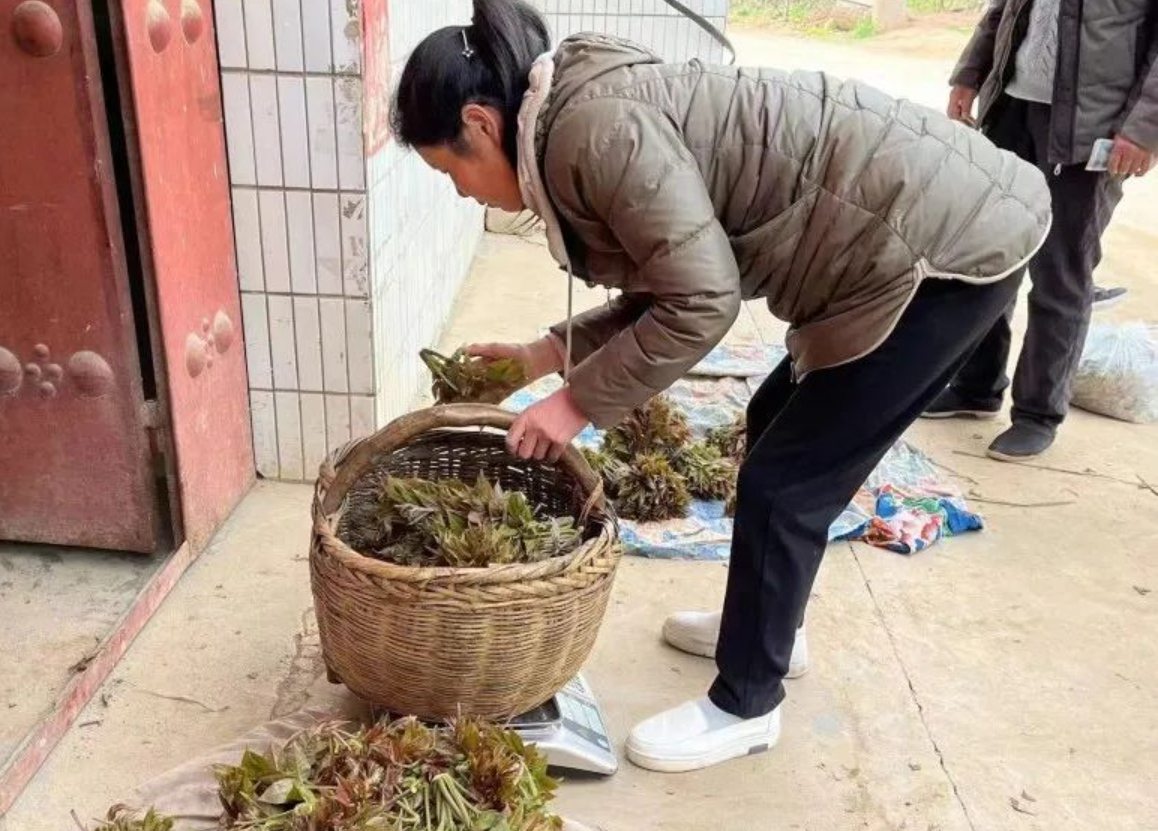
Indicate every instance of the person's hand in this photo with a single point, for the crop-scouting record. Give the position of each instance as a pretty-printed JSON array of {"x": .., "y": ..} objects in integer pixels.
[
  {"x": 1128, "y": 159},
  {"x": 544, "y": 429},
  {"x": 539, "y": 358},
  {"x": 961, "y": 105}
]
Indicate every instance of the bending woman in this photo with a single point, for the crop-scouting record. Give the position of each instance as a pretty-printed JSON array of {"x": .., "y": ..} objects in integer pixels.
[{"x": 889, "y": 237}]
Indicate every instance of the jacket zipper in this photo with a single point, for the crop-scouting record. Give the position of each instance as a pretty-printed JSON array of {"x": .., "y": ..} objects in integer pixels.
[{"x": 1077, "y": 71}]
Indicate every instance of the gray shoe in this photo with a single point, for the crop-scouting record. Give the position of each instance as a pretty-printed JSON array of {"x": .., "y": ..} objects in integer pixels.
[
  {"x": 1024, "y": 440},
  {"x": 952, "y": 404},
  {"x": 1107, "y": 298}
]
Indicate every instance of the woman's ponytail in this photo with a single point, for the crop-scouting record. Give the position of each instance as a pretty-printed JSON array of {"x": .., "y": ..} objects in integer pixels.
[
  {"x": 510, "y": 36},
  {"x": 485, "y": 63}
]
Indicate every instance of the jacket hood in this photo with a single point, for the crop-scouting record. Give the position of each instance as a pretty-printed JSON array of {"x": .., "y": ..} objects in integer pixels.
[
  {"x": 555, "y": 79},
  {"x": 582, "y": 58}
]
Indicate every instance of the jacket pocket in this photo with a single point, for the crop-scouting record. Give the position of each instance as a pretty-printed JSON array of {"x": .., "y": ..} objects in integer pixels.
[{"x": 611, "y": 269}]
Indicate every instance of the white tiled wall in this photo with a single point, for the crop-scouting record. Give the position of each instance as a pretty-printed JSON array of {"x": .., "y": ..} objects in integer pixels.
[
  {"x": 349, "y": 265},
  {"x": 423, "y": 238},
  {"x": 293, "y": 126},
  {"x": 334, "y": 310},
  {"x": 421, "y": 235},
  {"x": 651, "y": 23}
]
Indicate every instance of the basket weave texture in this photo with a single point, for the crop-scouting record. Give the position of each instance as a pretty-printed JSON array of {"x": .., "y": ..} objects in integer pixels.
[{"x": 436, "y": 642}]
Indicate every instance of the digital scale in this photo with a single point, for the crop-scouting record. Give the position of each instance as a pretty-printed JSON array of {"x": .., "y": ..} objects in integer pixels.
[{"x": 569, "y": 730}]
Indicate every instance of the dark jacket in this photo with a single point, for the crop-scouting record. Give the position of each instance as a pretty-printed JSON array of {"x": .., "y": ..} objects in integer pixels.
[
  {"x": 692, "y": 188},
  {"x": 1106, "y": 81}
]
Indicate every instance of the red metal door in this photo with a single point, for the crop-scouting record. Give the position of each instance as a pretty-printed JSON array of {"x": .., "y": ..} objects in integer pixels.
[
  {"x": 74, "y": 452},
  {"x": 182, "y": 192}
]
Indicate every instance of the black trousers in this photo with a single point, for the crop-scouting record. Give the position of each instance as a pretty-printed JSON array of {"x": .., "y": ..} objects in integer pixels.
[
  {"x": 1062, "y": 274},
  {"x": 812, "y": 445}
]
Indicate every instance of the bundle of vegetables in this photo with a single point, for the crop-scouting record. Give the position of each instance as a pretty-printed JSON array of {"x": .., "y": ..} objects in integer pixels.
[
  {"x": 461, "y": 378},
  {"x": 651, "y": 468},
  {"x": 651, "y": 490},
  {"x": 656, "y": 427},
  {"x": 731, "y": 440},
  {"x": 123, "y": 818},
  {"x": 400, "y": 775},
  {"x": 710, "y": 475},
  {"x": 466, "y": 776},
  {"x": 422, "y": 522}
]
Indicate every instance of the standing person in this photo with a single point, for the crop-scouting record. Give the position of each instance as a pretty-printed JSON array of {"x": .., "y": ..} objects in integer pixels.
[
  {"x": 1054, "y": 76},
  {"x": 888, "y": 236}
]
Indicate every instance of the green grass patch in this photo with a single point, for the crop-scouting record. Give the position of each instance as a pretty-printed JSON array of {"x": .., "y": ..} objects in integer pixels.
[
  {"x": 814, "y": 18},
  {"x": 943, "y": 6}
]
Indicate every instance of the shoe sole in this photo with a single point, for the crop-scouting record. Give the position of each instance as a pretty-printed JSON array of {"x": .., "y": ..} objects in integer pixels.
[
  {"x": 979, "y": 415},
  {"x": 688, "y": 764},
  {"x": 997, "y": 455},
  {"x": 700, "y": 649},
  {"x": 688, "y": 644}
]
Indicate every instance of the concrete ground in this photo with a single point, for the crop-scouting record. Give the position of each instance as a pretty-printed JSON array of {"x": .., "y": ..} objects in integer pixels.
[
  {"x": 56, "y": 605},
  {"x": 1002, "y": 680}
]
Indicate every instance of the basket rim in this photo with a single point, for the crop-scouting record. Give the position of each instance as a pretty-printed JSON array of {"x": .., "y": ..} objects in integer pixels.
[
  {"x": 590, "y": 552},
  {"x": 400, "y": 432}
]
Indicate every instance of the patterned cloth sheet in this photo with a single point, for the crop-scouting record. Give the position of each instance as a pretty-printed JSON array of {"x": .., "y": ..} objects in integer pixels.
[{"x": 906, "y": 506}]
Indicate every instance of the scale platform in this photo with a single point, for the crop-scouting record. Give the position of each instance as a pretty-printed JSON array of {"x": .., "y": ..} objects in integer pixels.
[{"x": 569, "y": 730}]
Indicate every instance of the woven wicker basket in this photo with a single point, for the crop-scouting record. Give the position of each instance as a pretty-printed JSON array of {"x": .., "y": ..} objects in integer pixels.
[{"x": 434, "y": 642}]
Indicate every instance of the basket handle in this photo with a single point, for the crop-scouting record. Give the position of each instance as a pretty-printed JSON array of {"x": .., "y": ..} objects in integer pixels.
[{"x": 357, "y": 458}]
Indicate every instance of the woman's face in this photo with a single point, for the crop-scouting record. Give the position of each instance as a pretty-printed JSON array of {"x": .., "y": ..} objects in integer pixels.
[{"x": 476, "y": 163}]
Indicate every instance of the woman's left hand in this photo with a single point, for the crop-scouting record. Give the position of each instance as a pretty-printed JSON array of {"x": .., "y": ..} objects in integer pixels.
[{"x": 544, "y": 430}]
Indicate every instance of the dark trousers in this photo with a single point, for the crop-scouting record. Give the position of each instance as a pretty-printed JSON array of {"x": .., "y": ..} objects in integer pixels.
[
  {"x": 1062, "y": 274},
  {"x": 812, "y": 445}
]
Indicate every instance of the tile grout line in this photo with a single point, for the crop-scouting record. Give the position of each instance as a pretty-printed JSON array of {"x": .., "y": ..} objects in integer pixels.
[
  {"x": 301, "y": 439},
  {"x": 257, "y": 206},
  {"x": 334, "y": 92},
  {"x": 261, "y": 248},
  {"x": 285, "y": 242},
  {"x": 317, "y": 305},
  {"x": 368, "y": 219},
  {"x": 296, "y": 189},
  {"x": 912, "y": 690},
  {"x": 288, "y": 73},
  {"x": 245, "y": 49},
  {"x": 332, "y": 82}
]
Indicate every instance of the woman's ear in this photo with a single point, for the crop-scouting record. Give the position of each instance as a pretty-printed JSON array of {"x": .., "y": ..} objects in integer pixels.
[{"x": 483, "y": 121}]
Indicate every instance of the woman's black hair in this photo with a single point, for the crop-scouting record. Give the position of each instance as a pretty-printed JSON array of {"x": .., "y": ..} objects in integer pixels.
[{"x": 488, "y": 65}]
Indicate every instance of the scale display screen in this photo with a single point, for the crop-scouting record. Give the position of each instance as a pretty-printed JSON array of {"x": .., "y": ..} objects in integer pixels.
[
  {"x": 582, "y": 718},
  {"x": 569, "y": 729}
]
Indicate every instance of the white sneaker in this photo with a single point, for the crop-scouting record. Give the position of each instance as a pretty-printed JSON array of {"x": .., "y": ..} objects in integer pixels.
[
  {"x": 697, "y": 632},
  {"x": 698, "y": 734}
]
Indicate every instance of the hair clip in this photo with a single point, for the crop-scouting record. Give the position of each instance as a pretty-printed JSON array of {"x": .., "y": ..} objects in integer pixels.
[{"x": 467, "y": 49}]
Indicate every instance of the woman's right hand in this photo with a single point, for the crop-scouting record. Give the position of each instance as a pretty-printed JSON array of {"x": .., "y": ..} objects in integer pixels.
[
  {"x": 539, "y": 358},
  {"x": 961, "y": 105}
]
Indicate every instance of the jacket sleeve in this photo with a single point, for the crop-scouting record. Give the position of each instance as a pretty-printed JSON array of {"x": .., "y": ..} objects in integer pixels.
[
  {"x": 1141, "y": 124},
  {"x": 977, "y": 59},
  {"x": 594, "y": 327},
  {"x": 622, "y": 164}
]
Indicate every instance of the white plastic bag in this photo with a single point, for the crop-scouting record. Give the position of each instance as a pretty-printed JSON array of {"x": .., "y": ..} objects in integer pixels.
[{"x": 1118, "y": 374}]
